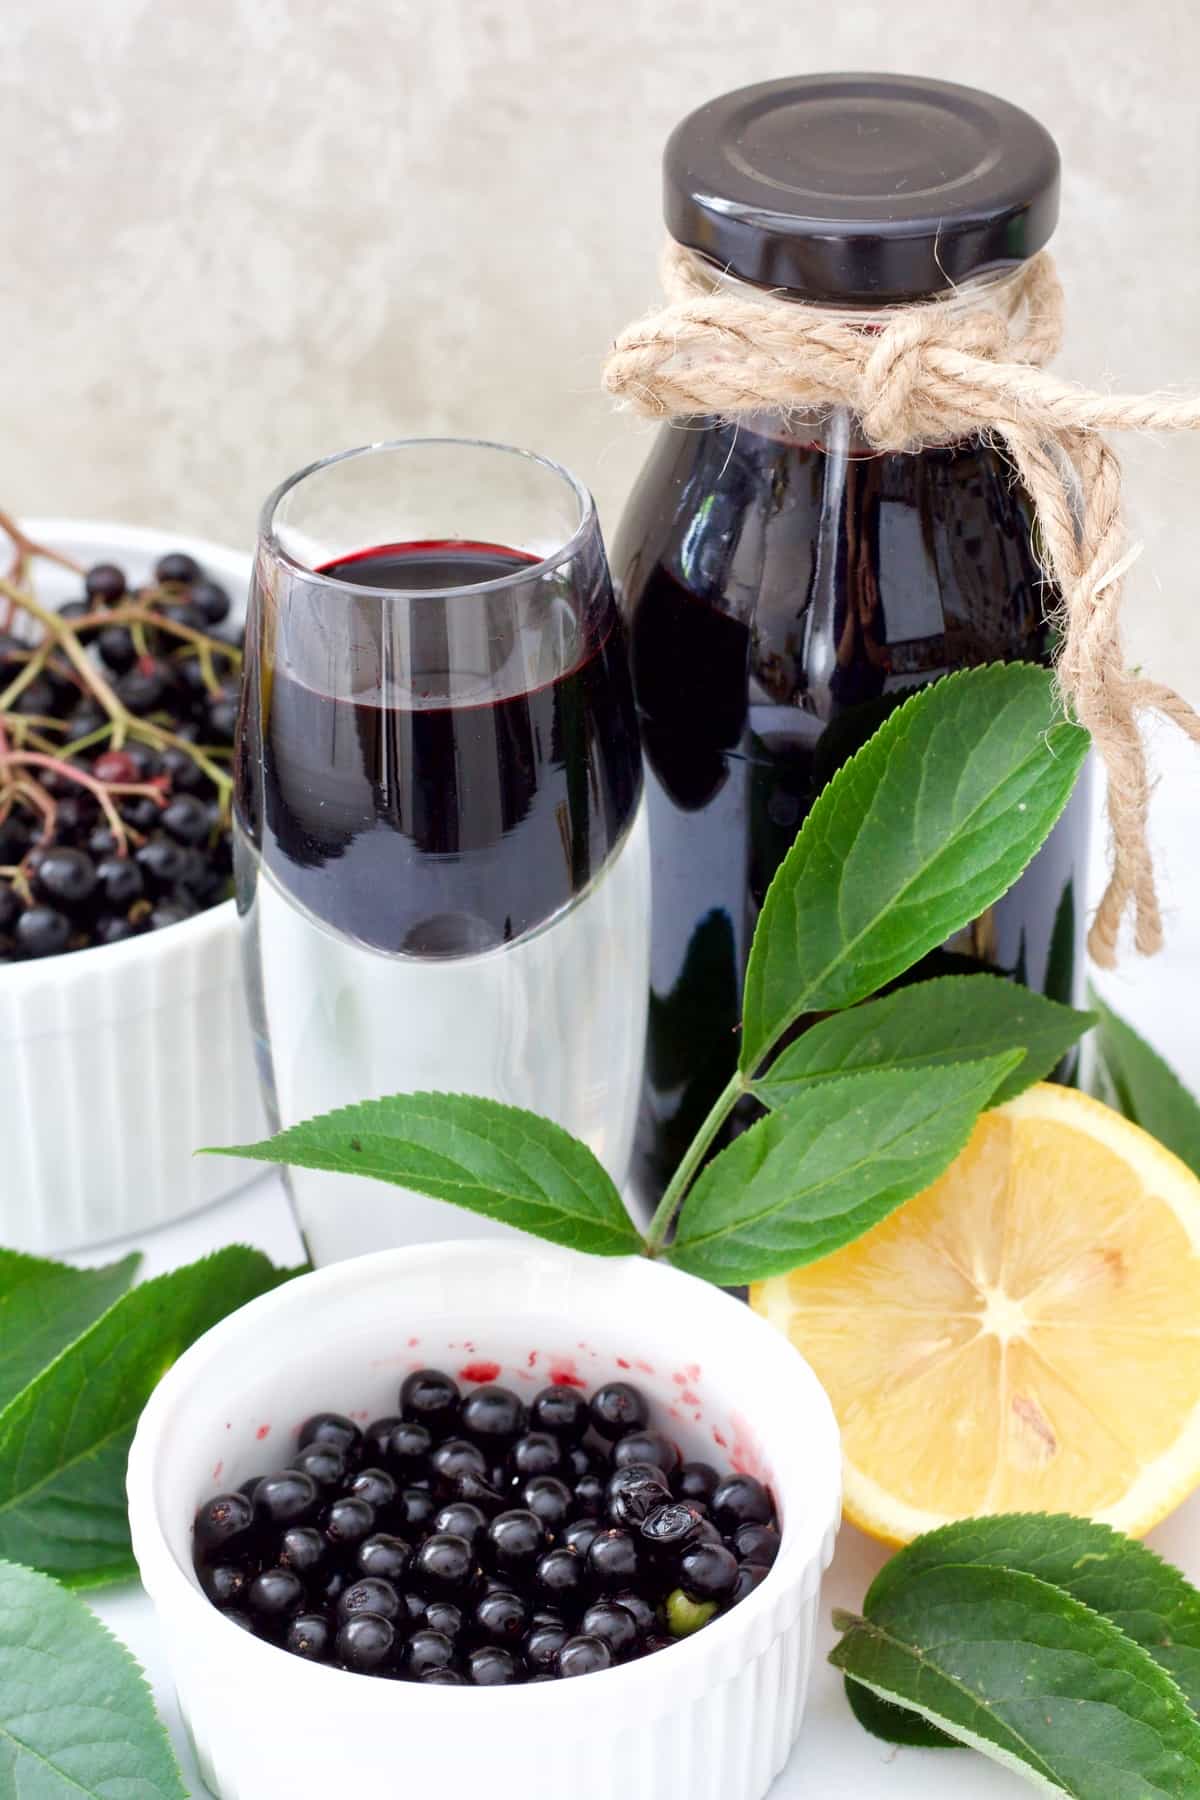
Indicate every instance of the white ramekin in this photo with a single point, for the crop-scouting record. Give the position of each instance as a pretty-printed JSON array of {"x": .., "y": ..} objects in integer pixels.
[
  {"x": 713, "y": 1718},
  {"x": 117, "y": 1063}
]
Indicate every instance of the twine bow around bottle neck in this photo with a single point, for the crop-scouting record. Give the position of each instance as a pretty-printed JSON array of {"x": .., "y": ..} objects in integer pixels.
[{"x": 933, "y": 373}]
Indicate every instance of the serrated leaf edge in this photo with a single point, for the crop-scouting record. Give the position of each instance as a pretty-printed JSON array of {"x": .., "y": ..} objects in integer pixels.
[
  {"x": 1006, "y": 1061},
  {"x": 125, "y": 1656},
  {"x": 6, "y": 1505},
  {"x": 349, "y": 1118},
  {"x": 985, "y": 1745},
  {"x": 762, "y": 1084},
  {"x": 969, "y": 1739},
  {"x": 1042, "y": 1521},
  {"x": 993, "y": 672}
]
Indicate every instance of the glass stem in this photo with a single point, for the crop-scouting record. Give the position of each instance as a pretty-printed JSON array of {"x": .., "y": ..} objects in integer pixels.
[{"x": 693, "y": 1156}]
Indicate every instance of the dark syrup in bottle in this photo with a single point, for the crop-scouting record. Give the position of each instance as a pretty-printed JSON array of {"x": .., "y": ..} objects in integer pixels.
[{"x": 782, "y": 599}]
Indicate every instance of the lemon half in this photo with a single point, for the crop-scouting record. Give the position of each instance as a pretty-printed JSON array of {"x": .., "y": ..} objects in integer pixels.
[{"x": 1022, "y": 1336}]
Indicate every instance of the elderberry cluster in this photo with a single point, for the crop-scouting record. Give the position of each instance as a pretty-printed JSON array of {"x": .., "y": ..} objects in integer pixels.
[
  {"x": 471, "y": 1540},
  {"x": 70, "y": 879}
]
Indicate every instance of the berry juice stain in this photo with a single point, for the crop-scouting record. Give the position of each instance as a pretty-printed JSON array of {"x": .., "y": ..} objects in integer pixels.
[
  {"x": 480, "y": 1371},
  {"x": 563, "y": 1373}
]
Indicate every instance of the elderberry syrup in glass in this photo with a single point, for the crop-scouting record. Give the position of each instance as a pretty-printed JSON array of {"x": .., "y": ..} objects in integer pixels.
[
  {"x": 786, "y": 586},
  {"x": 441, "y": 844}
]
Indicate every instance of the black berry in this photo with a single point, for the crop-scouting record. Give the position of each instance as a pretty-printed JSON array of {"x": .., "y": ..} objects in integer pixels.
[
  {"x": 612, "y": 1560},
  {"x": 708, "y": 1572},
  {"x": 289, "y": 1498},
  {"x": 493, "y": 1416},
  {"x": 187, "y": 819},
  {"x": 748, "y": 1577},
  {"x": 301, "y": 1548},
  {"x": 117, "y": 648},
  {"x": 413, "y": 1509},
  {"x": 375, "y": 1486},
  {"x": 210, "y": 601},
  {"x": 365, "y": 1643},
  {"x": 386, "y": 1557},
  {"x": 346, "y": 1522},
  {"x": 370, "y": 1595},
  {"x": 589, "y": 1495},
  {"x": 177, "y": 565},
  {"x": 444, "y": 1564},
  {"x": 308, "y": 1635},
  {"x": 671, "y": 1526},
  {"x": 104, "y": 582},
  {"x": 548, "y": 1498},
  {"x": 332, "y": 1429},
  {"x": 145, "y": 686},
  {"x": 225, "y": 1583},
  {"x": 121, "y": 881},
  {"x": 634, "y": 1493},
  {"x": 542, "y": 1646},
  {"x": 408, "y": 1449},
  {"x": 741, "y": 1500},
  {"x": 560, "y": 1576},
  {"x": 463, "y": 1519},
  {"x": 756, "y": 1544},
  {"x": 161, "y": 862},
  {"x": 617, "y": 1408},
  {"x": 426, "y": 1652},
  {"x": 515, "y": 1541},
  {"x": 323, "y": 1462},
  {"x": 562, "y": 1410},
  {"x": 275, "y": 1595},
  {"x": 584, "y": 1656},
  {"x": 431, "y": 1399},
  {"x": 645, "y": 1447},
  {"x": 222, "y": 1520},
  {"x": 535, "y": 1453},
  {"x": 444, "y": 1616},
  {"x": 640, "y": 1609},
  {"x": 501, "y": 1617},
  {"x": 613, "y": 1623},
  {"x": 579, "y": 1533},
  {"x": 42, "y": 931},
  {"x": 494, "y": 1666},
  {"x": 457, "y": 1457}
]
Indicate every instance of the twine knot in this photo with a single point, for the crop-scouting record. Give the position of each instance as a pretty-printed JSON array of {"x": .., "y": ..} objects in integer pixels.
[
  {"x": 937, "y": 373},
  {"x": 898, "y": 401}
]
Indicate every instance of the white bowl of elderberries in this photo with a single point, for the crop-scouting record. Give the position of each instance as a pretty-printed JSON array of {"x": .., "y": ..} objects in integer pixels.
[
  {"x": 123, "y": 1032},
  {"x": 411, "y": 1610}
]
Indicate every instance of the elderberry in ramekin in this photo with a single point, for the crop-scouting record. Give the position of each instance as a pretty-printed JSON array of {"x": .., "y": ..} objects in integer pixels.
[
  {"x": 121, "y": 1060},
  {"x": 712, "y": 1717}
]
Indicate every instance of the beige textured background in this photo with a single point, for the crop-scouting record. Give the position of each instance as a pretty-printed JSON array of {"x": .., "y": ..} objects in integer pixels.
[{"x": 241, "y": 233}]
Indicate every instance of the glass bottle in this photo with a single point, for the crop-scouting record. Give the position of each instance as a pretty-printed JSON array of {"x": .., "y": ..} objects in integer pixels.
[{"x": 786, "y": 586}]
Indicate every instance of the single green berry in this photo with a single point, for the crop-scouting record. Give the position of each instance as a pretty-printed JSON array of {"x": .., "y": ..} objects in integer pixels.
[{"x": 685, "y": 1616}]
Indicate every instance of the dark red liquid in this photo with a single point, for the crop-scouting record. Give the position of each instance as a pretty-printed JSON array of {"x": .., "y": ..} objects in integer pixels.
[
  {"x": 413, "y": 822},
  {"x": 782, "y": 601}
]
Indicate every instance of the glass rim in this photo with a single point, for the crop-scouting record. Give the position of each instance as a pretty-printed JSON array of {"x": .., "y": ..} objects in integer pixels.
[{"x": 267, "y": 536}]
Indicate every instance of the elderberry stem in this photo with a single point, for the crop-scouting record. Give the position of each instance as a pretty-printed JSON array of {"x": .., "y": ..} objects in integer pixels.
[
  {"x": 690, "y": 1162},
  {"x": 101, "y": 791},
  {"x": 16, "y": 875},
  {"x": 57, "y": 628},
  {"x": 34, "y": 665}
]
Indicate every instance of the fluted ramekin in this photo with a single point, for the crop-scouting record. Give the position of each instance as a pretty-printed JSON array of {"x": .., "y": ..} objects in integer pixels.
[
  {"x": 712, "y": 1718},
  {"x": 117, "y": 1063}
]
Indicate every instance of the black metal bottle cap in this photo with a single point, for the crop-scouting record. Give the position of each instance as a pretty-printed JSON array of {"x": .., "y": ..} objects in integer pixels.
[{"x": 860, "y": 188}]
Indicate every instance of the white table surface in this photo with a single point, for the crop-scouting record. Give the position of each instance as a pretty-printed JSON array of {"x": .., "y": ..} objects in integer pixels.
[{"x": 834, "y": 1759}]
